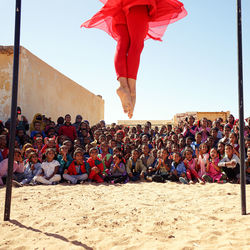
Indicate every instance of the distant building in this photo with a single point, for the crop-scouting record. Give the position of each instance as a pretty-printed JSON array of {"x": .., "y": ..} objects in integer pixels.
[
  {"x": 135, "y": 122},
  {"x": 178, "y": 118},
  {"x": 42, "y": 89},
  {"x": 199, "y": 115}
]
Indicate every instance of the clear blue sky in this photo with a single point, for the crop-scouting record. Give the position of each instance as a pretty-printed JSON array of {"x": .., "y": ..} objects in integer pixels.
[{"x": 193, "y": 69}]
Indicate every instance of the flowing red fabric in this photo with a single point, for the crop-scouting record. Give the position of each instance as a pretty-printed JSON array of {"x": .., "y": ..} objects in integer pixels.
[{"x": 161, "y": 14}]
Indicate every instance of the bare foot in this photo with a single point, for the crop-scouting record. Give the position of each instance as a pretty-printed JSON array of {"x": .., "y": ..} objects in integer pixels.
[
  {"x": 124, "y": 94},
  {"x": 132, "y": 88}
]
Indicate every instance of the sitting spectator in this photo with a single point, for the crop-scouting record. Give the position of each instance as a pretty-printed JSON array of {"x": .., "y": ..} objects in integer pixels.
[
  {"x": 31, "y": 169},
  {"x": 213, "y": 172},
  {"x": 64, "y": 158},
  {"x": 68, "y": 129},
  {"x": 227, "y": 131},
  {"x": 18, "y": 167},
  {"x": 202, "y": 159},
  {"x": 117, "y": 170},
  {"x": 233, "y": 140},
  {"x": 50, "y": 143},
  {"x": 221, "y": 150},
  {"x": 163, "y": 167},
  {"x": 77, "y": 122},
  {"x": 37, "y": 129},
  {"x": 60, "y": 122},
  {"x": 37, "y": 118},
  {"x": 105, "y": 157},
  {"x": 178, "y": 169},
  {"x": 231, "y": 164},
  {"x": 135, "y": 168},
  {"x": 96, "y": 166},
  {"x": 78, "y": 170},
  {"x": 147, "y": 158},
  {"x": 50, "y": 169},
  {"x": 4, "y": 151},
  {"x": 191, "y": 166}
]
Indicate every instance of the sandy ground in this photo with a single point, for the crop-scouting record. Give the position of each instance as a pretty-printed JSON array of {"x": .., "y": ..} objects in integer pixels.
[{"x": 130, "y": 216}]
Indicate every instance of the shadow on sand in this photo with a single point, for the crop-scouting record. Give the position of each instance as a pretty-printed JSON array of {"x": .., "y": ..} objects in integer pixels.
[{"x": 57, "y": 236}]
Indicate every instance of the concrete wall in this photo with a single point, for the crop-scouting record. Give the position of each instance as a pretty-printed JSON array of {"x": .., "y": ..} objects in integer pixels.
[{"x": 42, "y": 89}]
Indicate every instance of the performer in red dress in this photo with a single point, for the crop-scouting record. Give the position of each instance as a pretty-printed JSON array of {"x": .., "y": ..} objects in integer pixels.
[{"x": 130, "y": 22}]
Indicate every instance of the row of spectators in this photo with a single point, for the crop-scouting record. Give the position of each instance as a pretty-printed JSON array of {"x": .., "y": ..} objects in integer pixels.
[{"x": 194, "y": 151}]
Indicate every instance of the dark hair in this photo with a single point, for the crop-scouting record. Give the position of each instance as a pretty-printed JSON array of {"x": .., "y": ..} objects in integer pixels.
[
  {"x": 32, "y": 154},
  {"x": 119, "y": 156},
  {"x": 187, "y": 149},
  {"x": 214, "y": 149},
  {"x": 78, "y": 151},
  {"x": 198, "y": 133},
  {"x": 93, "y": 149},
  {"x": 176, "y": 153},
  {"x": 229, "y": 145},
  {"x": 221, "y": 142},
  {"x": 215, "y": 129},
  {"x": 60, "y": 120},
  {"x": 50, "y": 149},
  {"x": 135, "y": 150}
]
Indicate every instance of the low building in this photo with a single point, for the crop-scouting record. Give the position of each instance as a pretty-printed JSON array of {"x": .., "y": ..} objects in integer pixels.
[
  {"x": 199, "y": 115},
  {"x": 43, "y": 89}
]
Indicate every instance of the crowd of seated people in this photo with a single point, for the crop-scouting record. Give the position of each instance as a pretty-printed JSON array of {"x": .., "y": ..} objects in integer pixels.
[{"x": 48, "y": 152}]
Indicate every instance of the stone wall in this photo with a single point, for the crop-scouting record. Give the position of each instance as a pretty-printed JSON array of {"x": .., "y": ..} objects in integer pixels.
[{"x": 42, "y": 89}]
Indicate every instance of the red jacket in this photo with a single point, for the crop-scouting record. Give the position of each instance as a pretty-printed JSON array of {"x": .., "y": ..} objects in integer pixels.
[
  {"x": 69, "y": 131},
  {"x": 83, "y": 169},
  {"x": 96, "y": 163}
]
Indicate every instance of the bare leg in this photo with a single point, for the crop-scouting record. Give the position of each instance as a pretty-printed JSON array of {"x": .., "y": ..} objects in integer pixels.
[
  {"x": 132, "y": 88},
  {"x": 124, "y": 94}
]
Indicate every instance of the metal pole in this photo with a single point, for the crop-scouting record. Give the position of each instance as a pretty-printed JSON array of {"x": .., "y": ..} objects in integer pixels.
[
  {"x": 13, "y": 112},
  {"x": 241, "y": 113}
]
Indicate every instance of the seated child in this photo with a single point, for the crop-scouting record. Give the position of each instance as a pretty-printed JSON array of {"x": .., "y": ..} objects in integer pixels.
[
  {"x": 18, "y": 166},
  {"x": 50, "y": 169},
  {"x": 96, "y": 166},
  {"x": 191, "y": 167},
  {"x": 32, "y": 169},
  {"x": 37, "y": 129},
  {"x": 221, "y": 150},
  {"x": 135, "y": 168},
  {"x": 77, "y": 170},
  {"x": 231, "y": 164},
  {"x": 196, "y": 144},
  {"x": 163, "y": 167},
  {"x": 118, "y": 172},
  {"x": 64, "y": 158},
  {"x": 147, "y": 158},
  {"x": 213, "y": 172},
  {"x": 202, "y": 159},
  {"x": 50, "y": 143},
  {"x": 105, "y": 156},
  {"x": 178, "y": 169}
]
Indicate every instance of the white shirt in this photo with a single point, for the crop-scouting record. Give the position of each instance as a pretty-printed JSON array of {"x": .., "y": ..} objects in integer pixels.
[
  {"x": 235, "y": 158},
  {"x": 49, "y": 167}
]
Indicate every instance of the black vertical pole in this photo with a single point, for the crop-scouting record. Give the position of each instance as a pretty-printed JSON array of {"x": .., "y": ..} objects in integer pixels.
[
  {"x": 13, "y": 112},
  {"x": 241, "y": 113}
]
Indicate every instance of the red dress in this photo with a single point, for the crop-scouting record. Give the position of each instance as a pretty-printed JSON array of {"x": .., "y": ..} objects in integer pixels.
[{"x": 161, "y": 14}]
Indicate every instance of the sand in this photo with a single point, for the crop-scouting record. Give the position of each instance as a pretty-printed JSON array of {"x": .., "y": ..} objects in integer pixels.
[{"x": 130, "y": 216}]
